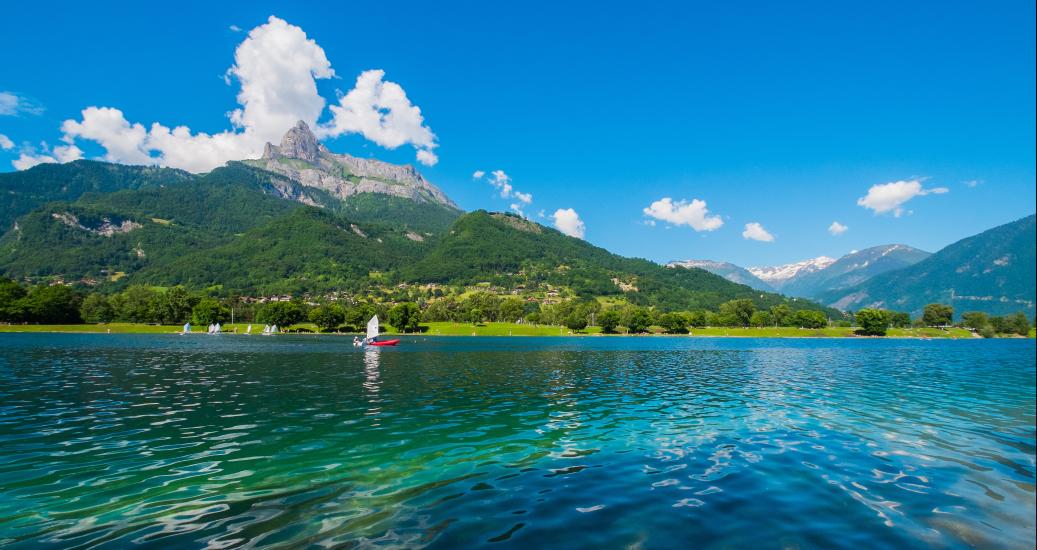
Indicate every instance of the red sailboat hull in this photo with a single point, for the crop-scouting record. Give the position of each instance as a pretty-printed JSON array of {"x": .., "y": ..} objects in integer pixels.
[{"x": 383, "y": 343}]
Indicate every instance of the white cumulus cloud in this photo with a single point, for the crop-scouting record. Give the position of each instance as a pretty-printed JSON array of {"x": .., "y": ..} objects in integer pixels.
[
  {"x": 693, "y": 214},
  {"x": 381, "y": 112},
  {"x": 890, "y": 197},
  {"x": 756, "y": 232},
  {"x": 277, "y": 66},
  {"x": 6, "y": 143},
  {"x": 478, "y": 174},
  {"x": 837, "y": 228},
  {"x": 568, "y": 221}
]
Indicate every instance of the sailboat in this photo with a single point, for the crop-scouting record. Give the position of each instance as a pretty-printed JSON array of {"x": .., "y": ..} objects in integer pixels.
[{"x": 372, "y": 335}]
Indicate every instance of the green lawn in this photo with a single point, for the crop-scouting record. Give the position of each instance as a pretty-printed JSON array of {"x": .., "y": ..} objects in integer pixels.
[
  {"x": 497, "y": 329},
  {"x": 509, "y": 329}
]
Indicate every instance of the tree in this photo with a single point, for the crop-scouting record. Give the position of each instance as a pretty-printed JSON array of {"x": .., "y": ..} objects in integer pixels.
[
  {"x": 140, "y": 304},
  {"x": 512, "y": 309},
  {"x": 56, "y": 304},
  {"x": 1019, "y": 324},
  {"x": 698, "y": 319},
  {"x": 208, "y": 311},
  {"x": 608, "y": 320},
  {"x": 358, "y": 315},
  {"x": 975, "y": 320},
  {"x": 781, "y": 315},
  {"x": 11, "y": 294},
  {"x": 873, "y": 322},
  {"x": 809, "y": 318},
  {"x": 638, "y": 320},
  {"x": 475, "y": 316},
  {"x": 404, "y": 317},
  {"x": 175, "y": 305},
  {"x": 937, "y": 315},
  {"x": 760, "y": 319},
  {"x": 327, "y": 317},
  {"x": 96, "y": 309},
  {"x": 675, "y": 323},
  {"x": 282, "y": 314},
  {"x": 576, "y": 321},
  {"x": 737, "y": 313},
  {"x": 899, "y": 319}
]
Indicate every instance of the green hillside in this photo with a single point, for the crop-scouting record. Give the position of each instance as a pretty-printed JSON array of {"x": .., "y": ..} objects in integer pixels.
[
  {"x": 506, "y": 250},
  {"x": 305, "y": 251},
  {"x": 26, "y": 190},
  {"x": 241, "y": 229}
]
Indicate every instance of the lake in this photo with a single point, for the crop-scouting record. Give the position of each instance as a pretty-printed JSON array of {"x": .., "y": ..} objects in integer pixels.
[{"x": 225, "y": 441}]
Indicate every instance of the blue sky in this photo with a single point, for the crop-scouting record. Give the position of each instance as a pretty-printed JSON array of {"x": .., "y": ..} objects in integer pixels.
[{"x": 782, "y": 115}]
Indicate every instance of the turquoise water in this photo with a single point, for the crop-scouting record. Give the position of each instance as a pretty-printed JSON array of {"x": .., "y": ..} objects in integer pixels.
[{"x": 225, "y": 441}]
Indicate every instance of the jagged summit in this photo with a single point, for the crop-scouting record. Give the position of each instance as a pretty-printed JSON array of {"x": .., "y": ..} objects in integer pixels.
[
  {"x": 299, "y": 142},
  {"x": 344, "y": 175}
]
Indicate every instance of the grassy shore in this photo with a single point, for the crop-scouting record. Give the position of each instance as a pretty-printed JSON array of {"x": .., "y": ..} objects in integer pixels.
[{"x": 513, "y": 329}]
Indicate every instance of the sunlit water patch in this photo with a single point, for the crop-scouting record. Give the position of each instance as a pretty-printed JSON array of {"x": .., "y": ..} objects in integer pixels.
[{"x": 228, "y": 441}]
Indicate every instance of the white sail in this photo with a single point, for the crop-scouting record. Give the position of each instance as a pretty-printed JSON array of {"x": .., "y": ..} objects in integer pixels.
[{"x": 372, "y": 328}]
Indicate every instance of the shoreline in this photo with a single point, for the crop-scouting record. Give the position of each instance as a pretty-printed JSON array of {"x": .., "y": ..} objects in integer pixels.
[{"x": 516, "y": 331}]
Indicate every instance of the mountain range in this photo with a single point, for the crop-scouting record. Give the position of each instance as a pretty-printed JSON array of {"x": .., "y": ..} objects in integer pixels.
[
  {"x": 991, "y": 272},
  {"x": 305, "y": 221}
]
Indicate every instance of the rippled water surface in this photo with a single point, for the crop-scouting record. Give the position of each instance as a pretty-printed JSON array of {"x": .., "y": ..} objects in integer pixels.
[{"x": 168, "y": 441}]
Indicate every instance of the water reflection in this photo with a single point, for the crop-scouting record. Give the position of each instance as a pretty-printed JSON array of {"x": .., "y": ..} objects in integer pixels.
[{"x": 372, "y": 383}]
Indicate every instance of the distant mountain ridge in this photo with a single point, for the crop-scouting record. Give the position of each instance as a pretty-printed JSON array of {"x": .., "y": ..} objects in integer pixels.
[
  {"x": 993, "y": 272},
  {"x": 727, "y": 270},
  {"x": 852, "y": 269}
]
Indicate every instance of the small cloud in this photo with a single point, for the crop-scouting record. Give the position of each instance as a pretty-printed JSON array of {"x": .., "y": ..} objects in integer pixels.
[
  {"x": 478, "y": 174},
  {"x": 427, "y": 157},
  {"x": 30, "y": 156},
  {"x": 972, "y": 183},
  {"x": 502, "y": 181},
  {"x": 5, "y": 143},
  {"x": 541, "y": 213},
  {"x": 693, "y": 214},
  {"x": 568, "y": 221},
  {"x": 755, "y": 231},
  {"x": 890, "y": 197},
  {"x": 13, "y": 104},
  {"x": 234, "y": 28},
  {"x": 837, "y": 229}
]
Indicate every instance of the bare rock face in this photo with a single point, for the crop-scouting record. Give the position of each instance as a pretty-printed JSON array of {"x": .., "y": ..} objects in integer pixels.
[
  {"x": 344, "y": 175},
  {"x": 300, "y": 143}
]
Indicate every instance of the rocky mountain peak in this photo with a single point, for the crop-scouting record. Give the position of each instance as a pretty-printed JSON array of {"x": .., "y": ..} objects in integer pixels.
[
  {"x": 344, "y": 175},
  {"x": 300, "y": 143}
]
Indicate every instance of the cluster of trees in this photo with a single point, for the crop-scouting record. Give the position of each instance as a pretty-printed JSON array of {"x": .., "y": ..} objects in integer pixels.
[
  {"x": 479, "y": 307},
  {"x": 39, "y": 304},
  {"x": 989, "y": 326},
  {"x": 875, "y": 322},
  {"x": 733, "y": 313}
]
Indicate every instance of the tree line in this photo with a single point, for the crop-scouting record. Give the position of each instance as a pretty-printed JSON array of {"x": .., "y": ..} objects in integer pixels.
[{"x": 59, "y": 304}]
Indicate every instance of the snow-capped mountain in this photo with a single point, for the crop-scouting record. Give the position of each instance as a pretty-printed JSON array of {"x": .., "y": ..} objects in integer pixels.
[{"x": 780, "y": 275}]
